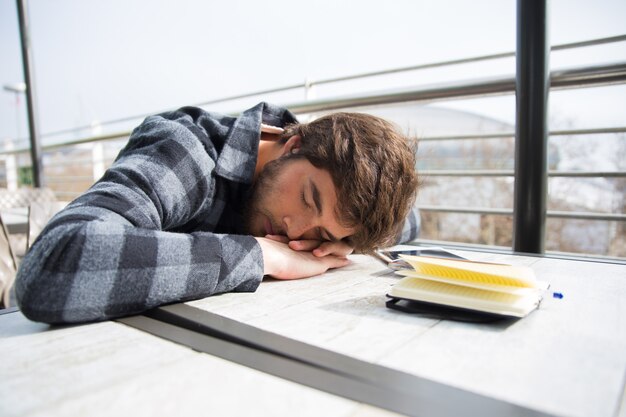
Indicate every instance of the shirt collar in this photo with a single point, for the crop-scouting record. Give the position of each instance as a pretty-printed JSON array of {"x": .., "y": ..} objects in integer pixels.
[{"x": 237, "y": 160}]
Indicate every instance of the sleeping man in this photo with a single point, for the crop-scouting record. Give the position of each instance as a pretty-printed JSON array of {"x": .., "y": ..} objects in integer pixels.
[{"x": 199, "y": 203}]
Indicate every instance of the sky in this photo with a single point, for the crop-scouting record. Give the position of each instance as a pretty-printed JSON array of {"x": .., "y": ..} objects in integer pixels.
[{"x": 97, "y": 60}]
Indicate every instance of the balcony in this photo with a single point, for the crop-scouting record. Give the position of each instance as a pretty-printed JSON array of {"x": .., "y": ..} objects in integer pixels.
[
  {"x": 329, "y": 345},
  {"x": 466, "y": 159}
]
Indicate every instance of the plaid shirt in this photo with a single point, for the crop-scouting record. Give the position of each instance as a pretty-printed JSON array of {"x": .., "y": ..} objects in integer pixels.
[{"x": 163, "y": 225}]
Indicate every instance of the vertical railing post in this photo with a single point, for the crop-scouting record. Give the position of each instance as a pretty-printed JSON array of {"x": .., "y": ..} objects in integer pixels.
[
  {"x": 10, "y": 164},
  {"x": 309, "y": 90},
  {"x": 532, "y": 88},
  {"x": 29, "y": 79},
  {"x": 97, "y": 160}
]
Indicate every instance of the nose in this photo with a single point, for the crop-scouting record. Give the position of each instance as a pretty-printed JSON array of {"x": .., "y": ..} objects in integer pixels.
[{"x": 299, "y": 227}]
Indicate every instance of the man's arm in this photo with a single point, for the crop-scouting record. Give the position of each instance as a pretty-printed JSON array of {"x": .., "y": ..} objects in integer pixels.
[{"x": 108, "y": 254}]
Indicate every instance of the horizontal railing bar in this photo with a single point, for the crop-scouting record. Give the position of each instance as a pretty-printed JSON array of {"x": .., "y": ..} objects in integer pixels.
[
  {"x": 204, "y": 103},
  {"x": 587, "y": 174},
  {"x": 509, "y": 212},
  {"x": 593, "y": 131},
  {"x": 468, "y": 210},
  {"x": 69, "y": 180},
  {"x": 79, "y": 162},
  {"x": 592, "y": 42},
  {"x": 253, "y": 94},
  {"x": 415, "y": 68},
  {"x": 73, "y": 162},
  {"x": 463, "y": 61},
  {"x": 427, "y": 93},
  {"x": 500, "y": 135},
  {"x": 99, "y": 138},
  {"x": 587, "y": 216},
  {"x": 71, "y": 194},
  {"x": 510, "y": 173},
  {"x": 594, "y": 75},
  {"x": 466, "y": 173},
  {"x": 82, "y": 141}
]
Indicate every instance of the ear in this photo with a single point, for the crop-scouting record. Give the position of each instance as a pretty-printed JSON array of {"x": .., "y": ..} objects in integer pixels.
[{"x": 292, "y": 145}]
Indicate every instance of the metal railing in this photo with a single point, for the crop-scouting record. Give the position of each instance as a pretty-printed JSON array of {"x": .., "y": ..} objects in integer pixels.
[
  {"x": 500, "y": 135},
  {"x": 308, "y": 84},
  {"x": 588, "y": 76},
  {"x": 509, "y": 212},
  {"x": 599, "y": 75}
]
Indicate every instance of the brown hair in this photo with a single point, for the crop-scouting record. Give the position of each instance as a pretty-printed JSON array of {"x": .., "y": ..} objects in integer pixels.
[{"x": 373, "y": 169}]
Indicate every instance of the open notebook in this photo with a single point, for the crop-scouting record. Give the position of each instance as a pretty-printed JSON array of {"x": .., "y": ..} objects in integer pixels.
[{"x": 460, "y": 286}]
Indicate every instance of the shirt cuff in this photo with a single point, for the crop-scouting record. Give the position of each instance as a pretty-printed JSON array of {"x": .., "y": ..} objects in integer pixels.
[{"x": 242, "y": 264}]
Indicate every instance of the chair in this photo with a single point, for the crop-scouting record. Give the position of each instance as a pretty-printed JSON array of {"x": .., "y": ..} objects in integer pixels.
[
  {"x": 38, "y": 216},
  {"x": 14, "y": 205},
  {"x": 8, "y": 268},
  {"x": 15, "y": 244}
]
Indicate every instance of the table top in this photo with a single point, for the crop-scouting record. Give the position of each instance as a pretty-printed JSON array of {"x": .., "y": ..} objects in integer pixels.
[
  {"x": 568, "y": 358},
  {"x": 110, "y": 369}
]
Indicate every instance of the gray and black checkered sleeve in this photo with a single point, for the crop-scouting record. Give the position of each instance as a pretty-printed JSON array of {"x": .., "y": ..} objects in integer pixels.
[{"x": 411, "y": 227}]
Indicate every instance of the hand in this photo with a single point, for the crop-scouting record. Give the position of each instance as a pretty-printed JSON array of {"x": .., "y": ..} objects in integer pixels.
[
  {"x": 317, "y": 247},
  {"x": 282, "y": 262},
  {"x": 320, "y": 249}
]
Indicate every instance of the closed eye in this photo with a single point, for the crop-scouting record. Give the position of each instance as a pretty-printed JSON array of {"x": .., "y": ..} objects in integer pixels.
[{"x": 303, "y": 199}]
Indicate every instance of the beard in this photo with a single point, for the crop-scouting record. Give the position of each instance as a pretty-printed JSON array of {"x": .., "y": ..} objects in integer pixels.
[{"x": 262, "y": 191}]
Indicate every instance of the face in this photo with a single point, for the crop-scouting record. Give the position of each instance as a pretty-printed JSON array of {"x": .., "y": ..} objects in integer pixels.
[{"x": 293, "y": 198}]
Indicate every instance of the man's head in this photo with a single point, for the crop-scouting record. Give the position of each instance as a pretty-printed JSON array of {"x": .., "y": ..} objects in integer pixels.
[{"x": 348, "y": 176}]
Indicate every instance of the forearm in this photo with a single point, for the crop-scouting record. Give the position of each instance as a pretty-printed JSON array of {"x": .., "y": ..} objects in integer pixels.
[{"x": 96, "y": 270}]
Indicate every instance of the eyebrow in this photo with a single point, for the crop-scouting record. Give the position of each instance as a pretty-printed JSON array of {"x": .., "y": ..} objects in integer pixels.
[{"x": 317, "y": 200}]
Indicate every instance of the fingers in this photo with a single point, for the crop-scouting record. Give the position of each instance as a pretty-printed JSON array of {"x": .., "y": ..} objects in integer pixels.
[
  {"x": 304, "y": 245},
  {"x": 333, "y": 248},
  {"x": 335, "y": 261},
  {"x": 321, "y": 249}
]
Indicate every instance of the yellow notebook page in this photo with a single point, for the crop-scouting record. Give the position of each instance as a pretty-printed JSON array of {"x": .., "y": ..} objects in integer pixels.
[
  {"x": 472, "y": 284},
  {"x": 477, "y": 272}
]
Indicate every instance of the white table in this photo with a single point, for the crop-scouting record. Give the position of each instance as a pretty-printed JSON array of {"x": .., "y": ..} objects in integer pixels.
[
  {"x": 109, "y": 369},
  {"x": 568, "y": 358}
]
